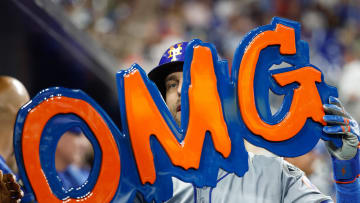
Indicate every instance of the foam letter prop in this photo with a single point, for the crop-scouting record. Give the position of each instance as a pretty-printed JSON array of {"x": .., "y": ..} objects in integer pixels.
[
  {"x": 36, "y": 136},
  {"x": 296, "y": 127},
  {"x": 306, "y": 101}
]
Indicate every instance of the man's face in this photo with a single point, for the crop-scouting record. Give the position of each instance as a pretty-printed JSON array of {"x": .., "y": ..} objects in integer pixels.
[{"x": 173, "y": 84}]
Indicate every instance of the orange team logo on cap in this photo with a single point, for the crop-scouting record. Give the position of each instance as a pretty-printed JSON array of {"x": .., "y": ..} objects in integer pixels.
[{"x": 173, "y": 52}]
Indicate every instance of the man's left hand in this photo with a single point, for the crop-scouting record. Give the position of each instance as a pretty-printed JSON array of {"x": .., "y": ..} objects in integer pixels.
[{"x": 339, "y": 122}]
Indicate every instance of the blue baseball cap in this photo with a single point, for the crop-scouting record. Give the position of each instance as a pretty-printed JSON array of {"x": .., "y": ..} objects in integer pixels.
[{"x": 171, "y": 61}]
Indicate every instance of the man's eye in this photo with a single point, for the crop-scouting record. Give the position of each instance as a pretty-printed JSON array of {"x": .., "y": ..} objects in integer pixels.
[{"x": 171, "y": 85}]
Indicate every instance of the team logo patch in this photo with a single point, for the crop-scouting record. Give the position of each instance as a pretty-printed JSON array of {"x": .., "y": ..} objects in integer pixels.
[{"x": 173, "y": 52}]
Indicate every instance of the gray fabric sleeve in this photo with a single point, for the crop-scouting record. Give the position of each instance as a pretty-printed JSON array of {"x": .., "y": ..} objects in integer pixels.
[
  {"x": 183, "y": 192},
  {"x": 297, "y": 187}
]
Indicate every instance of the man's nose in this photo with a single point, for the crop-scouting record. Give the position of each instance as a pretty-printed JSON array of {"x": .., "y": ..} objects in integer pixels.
[{"x": 179, "y": 87}]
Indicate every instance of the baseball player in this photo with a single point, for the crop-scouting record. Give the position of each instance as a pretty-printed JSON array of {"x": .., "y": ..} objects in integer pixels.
[{"x": 268, "y": 179}]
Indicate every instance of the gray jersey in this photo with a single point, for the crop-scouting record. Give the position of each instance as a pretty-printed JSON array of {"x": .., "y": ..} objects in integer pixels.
[{"x": 268, "y": 179}]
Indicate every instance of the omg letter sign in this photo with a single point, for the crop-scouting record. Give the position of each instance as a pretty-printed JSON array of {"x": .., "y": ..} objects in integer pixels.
[{"x": 219, "y": 110}]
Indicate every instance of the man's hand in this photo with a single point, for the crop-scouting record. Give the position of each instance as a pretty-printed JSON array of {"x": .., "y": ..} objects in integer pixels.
[
  {"x": 9, "y": 190},
  {"x": 341, "y": 123}
]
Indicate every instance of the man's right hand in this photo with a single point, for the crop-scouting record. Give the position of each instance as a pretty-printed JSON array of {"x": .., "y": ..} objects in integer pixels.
[{"x": 9, "y": 189}]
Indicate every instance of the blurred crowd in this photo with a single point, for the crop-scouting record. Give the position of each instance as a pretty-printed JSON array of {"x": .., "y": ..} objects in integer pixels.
[
  {"x": 134, "y": 30},
  {"x": 139, "y": 31}
]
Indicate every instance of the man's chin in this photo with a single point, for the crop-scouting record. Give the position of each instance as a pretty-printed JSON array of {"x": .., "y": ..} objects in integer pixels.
[{"x": 178, "y": 118}]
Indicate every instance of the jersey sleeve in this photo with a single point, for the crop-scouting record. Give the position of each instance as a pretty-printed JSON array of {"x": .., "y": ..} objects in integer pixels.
[{"x": 297, "y": 187}]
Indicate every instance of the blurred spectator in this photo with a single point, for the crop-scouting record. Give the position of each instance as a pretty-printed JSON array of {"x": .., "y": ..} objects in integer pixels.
[
  {"x": 349, "y": 82},
  {"x": 70, "y": 158},
  {"x": 13, "y": 95}
]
